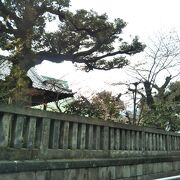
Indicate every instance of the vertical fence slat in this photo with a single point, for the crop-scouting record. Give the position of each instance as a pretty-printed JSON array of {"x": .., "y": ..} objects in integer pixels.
[
  {"x": 175, "y": 143},
  {"x": 105, "y": 138},
  {"x": 143, "y": 141},
  {"x": 166, "y": 142},
  {"x": 83, "y": 136},
  {"x": 128, "y": 140},
  {"x": 74, "y": 136},
  {"x": 123, "y": 139},
  {"x": 18, "y": 133},
  {"x": 133, "y": 138},
  {"x": 90, "y": 137},
  {"x": 150, "y": 142},
  {"x": 161, "y": 142},
  {"x": 112, "y": 138},
  {"x": 117, "y": 139},
  {"x": 44, "y": 143},
  {"x": 31, "y": 132},
  {"x": 171, "y": 143},
  {"x": 178, "y": 142},
  {"x": 157, "y": 142},
  {"x": 137, "y": 141},
  {"x": 98, "y": 138},
  {"x": 147, "y": 141},
  {"x": 5, "y": 129},
  {"x": 154, "y": 141},
  {"x": 65, "y": 136},
  {"x": 56, "y": 134}
]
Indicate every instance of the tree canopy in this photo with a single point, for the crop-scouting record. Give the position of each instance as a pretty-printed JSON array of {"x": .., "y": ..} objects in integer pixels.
[
  {"x": 103, "y": 105},
  {"x": 160, "y": 67},
  {"x": 166, "y": 114},
  {"x": 82, "y": 37},
  {"x": 153, "y": 85}
]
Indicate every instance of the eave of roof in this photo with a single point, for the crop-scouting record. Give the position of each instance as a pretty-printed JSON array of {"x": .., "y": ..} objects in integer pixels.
[{"x": 38, "y": 81}]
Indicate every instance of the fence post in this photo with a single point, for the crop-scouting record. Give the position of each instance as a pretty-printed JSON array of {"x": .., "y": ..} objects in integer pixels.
[
  {"x": 143, "y": 142},
  {"x": 44, "y": 144},
  {"x": 106, "y": 138},
  {"x": 18, "y": 134},
  {"x": 5, "y": 129}
]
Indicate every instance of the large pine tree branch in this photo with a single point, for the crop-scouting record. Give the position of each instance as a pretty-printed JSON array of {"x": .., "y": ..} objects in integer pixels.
[
  {"x": 87, "y": 52},
  {"x": 78, "y": 57},
  {"x": 102, "y": 36},
  {"x": 53, "y": 57},
  {"x": 120, "y": 52}
]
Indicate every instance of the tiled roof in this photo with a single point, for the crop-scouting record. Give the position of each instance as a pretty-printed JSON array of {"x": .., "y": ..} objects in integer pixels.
[{"x": 38, "y": 82}]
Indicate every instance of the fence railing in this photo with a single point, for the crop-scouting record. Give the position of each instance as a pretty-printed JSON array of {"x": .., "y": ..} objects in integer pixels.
[{"x": 30, "y": 134}]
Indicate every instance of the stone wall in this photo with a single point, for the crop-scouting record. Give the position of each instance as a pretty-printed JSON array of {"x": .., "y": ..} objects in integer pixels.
[
  {"x": 102, "y": 169},
  {"x": 34, "y": 134}
]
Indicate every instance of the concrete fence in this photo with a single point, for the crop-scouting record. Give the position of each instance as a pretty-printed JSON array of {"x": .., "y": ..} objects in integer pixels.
[
  {"x": 40, "y": 145},
  {"x": 31, "y": 134}
]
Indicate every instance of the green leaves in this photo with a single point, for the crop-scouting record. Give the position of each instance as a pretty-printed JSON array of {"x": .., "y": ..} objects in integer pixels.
[
  {"x": 118, "y": 62},
  {"x": 103, "y": 105},
  {"x": 166, "y": 112},
  {"x": 15, "y": 86},
  {"x": 83, "y": 37},
  {"x": 132, "y": 48}
]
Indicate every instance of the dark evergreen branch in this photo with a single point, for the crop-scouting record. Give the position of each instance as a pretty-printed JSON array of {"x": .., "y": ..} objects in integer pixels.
[{"x": 7, "y": 12}]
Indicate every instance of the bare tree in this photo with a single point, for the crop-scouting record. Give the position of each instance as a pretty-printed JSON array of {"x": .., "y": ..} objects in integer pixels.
[
  {"x": 160, "y": 67},
  {"x": 135, "y": 96},
  {"x": 152, "y": 76}
]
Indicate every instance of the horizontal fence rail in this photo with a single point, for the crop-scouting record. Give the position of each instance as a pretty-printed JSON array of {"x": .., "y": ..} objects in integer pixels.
[{"x": 29, "y": 133}]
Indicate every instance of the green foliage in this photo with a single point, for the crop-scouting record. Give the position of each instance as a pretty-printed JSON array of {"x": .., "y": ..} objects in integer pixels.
[
  {"x": 103, "y": 106},
  {"x": 81, "y": 107},
  {"x": 163, "y": 117},
  {"x": 83, "y": 37},
  {"x": 81, "y": 30},
  {"x": 166, "y": 112},
  {"x": 107, "y": 106},
  {"x": 15, "y": 87}
]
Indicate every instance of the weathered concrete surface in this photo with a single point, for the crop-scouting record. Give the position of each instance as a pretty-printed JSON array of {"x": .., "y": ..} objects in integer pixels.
[
  {"x": 49, "y": 146},
  {"x": 127, "y": 172},
  {"x": 46, "y": 135},
  {"x": 99, "y": 169}
]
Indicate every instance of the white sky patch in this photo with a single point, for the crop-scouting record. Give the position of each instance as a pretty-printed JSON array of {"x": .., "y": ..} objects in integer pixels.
[
  {"x": 144, "y": 17},
  {"x": 82, "y": 82},
  {"x": 4, "y": 53}
]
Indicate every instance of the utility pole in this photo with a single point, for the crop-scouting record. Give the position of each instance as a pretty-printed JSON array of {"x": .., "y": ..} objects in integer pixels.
[
  {"x": 134, "y": 91},
  {"x": 135, "y": 99}
]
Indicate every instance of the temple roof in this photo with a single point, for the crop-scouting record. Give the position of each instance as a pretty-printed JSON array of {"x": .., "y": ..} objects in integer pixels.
[{"x": 38, "y": 81}]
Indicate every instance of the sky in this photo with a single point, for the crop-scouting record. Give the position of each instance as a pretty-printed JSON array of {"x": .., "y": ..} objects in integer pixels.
[{"x": 145, "y": 18}]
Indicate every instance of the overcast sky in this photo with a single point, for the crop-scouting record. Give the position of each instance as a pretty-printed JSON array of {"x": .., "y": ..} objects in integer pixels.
[{"x": 145, "y": 18}]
